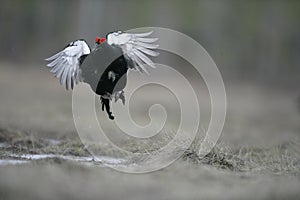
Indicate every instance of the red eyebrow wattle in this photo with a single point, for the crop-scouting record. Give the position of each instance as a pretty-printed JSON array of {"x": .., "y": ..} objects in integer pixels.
[{"x": 102, "y": 40}]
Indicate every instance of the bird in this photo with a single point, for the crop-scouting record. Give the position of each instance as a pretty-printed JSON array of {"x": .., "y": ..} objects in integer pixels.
[{"x": 104, "y": 67}]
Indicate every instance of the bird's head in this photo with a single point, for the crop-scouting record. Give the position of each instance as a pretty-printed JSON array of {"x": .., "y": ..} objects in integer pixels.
[{"x": 98, "y": 41}]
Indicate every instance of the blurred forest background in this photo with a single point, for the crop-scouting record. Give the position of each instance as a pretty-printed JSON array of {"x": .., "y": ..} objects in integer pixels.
[
  {"x": 249, "y": 40},
  {"x": 256, "y": 46}
]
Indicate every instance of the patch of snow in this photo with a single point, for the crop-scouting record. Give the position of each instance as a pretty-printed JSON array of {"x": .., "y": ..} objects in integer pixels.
[
  {"x": 44, "y": 156},
  {"x": 100, "y": 159},
  {"x": 109, "y": 160},
  {"x": 5, "y": 162}
]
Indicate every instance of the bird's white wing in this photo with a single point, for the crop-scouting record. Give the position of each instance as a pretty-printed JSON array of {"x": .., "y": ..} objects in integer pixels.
[
  {"x": 65, "y": 64},
  {"x": 136, "y": 47}
]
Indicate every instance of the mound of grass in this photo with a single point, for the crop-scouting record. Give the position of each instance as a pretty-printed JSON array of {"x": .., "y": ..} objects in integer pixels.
[
  {"x": 280, "y": 159},
  {"x": 218, "y": 157}
]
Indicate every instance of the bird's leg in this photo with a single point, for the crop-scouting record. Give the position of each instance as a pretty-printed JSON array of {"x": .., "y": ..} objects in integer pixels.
[
  {"x": 105, "y": 104},
  {"x": 120, "y": 95}
]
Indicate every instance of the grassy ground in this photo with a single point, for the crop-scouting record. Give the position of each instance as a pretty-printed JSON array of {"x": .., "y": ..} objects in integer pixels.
[
  {"x": 223, "y": 174},
  {"x": 257, "y": 157}
]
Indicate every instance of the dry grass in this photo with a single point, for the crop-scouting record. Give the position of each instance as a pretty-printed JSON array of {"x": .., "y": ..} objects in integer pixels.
[{"x": 280, "y": 159}]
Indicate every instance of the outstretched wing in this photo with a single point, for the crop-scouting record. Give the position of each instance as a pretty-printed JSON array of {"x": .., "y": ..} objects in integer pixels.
[
  {"x": 136, "y": 47},
  {"x": 65, "y": 64}
]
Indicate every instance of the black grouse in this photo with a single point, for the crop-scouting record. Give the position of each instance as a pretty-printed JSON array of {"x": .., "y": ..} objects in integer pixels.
[{"x": 104, "y": 67}]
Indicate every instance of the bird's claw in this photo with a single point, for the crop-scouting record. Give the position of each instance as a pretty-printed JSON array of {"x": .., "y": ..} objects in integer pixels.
[{"x": 120, "y": 95}]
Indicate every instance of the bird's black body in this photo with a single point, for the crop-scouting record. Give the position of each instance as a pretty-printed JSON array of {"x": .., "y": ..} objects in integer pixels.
[
  {"x": 106, "y": 83},
  {"x": 105, "y": 70}
]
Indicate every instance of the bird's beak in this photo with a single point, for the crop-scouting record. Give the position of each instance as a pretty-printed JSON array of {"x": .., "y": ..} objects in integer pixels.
[{"x": 95, "y": 47}]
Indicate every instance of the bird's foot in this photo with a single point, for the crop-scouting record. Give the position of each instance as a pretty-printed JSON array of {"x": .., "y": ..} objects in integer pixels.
[
  {"x": 120, "y": 95},
  {"x": 110, "y": 116}
]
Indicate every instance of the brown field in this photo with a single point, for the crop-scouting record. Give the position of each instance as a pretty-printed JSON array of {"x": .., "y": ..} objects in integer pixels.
[{"x": 257, "y": 156}]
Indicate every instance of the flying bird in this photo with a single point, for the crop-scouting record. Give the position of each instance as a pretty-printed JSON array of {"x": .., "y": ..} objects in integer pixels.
[{"x": 105, "y": 66}]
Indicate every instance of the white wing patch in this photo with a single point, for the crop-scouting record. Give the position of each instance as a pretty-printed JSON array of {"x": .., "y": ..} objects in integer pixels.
[
  {"x": 65, "y": 64},
  {"x": 136, "y": 47}
]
